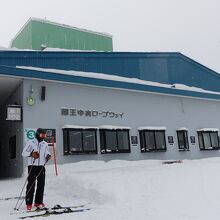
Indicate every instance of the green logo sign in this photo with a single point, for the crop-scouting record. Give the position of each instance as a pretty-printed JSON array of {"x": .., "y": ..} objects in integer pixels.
[
  {"x": 30, "y": 100},
  {"x": 31, "y": 134}
]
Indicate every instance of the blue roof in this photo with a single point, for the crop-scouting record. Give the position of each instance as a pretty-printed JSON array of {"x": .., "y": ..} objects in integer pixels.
[{"x": 167, "y": 68}]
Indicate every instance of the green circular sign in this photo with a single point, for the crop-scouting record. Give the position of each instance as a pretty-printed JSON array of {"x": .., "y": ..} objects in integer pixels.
[
  {"x": 31, "y": 134},
  {"x": 31, "y": 100}
]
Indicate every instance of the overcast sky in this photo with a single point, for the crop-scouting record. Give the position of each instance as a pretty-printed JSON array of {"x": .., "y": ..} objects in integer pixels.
[{"x": 191, "y": 27}]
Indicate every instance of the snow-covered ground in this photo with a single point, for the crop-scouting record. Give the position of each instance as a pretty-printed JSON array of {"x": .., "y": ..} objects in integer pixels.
[{"x": 125, "y": 190}]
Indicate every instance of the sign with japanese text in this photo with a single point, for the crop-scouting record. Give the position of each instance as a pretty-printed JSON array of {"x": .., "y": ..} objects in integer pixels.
[
  {"x": 90, "y": 113},
  {"x": 14, "y": 113}
]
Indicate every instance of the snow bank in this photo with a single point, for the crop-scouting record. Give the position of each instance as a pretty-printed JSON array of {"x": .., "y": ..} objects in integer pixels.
[{"x": 129, "y": 190}]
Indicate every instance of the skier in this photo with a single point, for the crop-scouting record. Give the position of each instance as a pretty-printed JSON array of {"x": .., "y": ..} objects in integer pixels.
[{"x": 38, "y": 154}]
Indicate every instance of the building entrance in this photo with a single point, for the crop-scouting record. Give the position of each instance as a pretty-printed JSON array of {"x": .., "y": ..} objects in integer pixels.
[{"x": 11, "y": 128}]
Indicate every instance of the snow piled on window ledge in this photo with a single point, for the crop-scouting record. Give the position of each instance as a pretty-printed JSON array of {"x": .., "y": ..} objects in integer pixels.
[
  {"x": 152, "y": 128},
  {"x": 209, "y": 129}
]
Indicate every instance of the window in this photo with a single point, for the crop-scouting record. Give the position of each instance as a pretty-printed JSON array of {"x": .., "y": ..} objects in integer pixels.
[
  {"x": 79, "y": 141},
  {"x": 12, "y": 147},
  {"x": 115, "y": 141},
  {"x": 208, "y": 140},
  {"x": 152, "y": 140},
  {"x": 183, "y": 143}
]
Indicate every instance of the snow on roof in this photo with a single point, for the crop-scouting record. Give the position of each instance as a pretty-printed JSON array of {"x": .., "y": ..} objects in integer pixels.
[
  {"x": 208, "y": 129},
  {"x": 152, "y": 128},
  {"x": 95, "y": 75},
  {"x": 10, "y": 49},
  {"x": 117, "y": 78},
  {"x": 113, "y": 127},
  {"x": 13, "y": 49},
  {"x": 182, "y": 129},
  {"x": 185, "y": 87},
  {"x": 3, "y": 48},
  {"x": 51, "y": 49},
  {"x": 79, "y": 127}
]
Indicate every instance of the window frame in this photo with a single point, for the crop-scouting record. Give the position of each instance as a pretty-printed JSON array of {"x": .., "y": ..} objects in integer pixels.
[
  {"x": 102, "y": 133},
  {"x": 66, "y": 141},
  {"x": 202, "y": 145},
  {"x": 185, "y": 140},
  {"x": 142, "y": 137}
]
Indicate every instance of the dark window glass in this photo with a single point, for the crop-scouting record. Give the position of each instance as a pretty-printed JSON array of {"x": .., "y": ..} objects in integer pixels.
[
  {"x": 113, "y": 141},
  {"x": 214, "y": 139},
  {"x": 79, "y": 141},
  {"x": 182, "y": 137},
  {"x": 142, "y": 141},
  {"x": 123, "y": 140},
  {"x": 102, "y": 140},
  {"x": 65, "y": 141},
  {"x": 201, "y": 144},
  {"x": 208, "y": 140},
  {"x": 12, "y": 147},
  {"x": 89, "y": 140},
  {"x": 160, "y": 140},
  {"x": 75, "y": 140},
  {"x": 152, "y": 140}
]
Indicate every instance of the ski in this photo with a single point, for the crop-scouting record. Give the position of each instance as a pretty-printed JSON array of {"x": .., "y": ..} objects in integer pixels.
[
  {"x": 13, "y": 197},
  {"x": 55, "y": 212},
  {"x": 10, "y": 198},
  {"x": 66, "y": 207},
  {"x": 56, "y": 207}
]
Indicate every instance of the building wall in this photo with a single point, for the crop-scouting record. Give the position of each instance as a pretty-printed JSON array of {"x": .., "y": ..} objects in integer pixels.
[
  {"x": 60, "y": 37},
  {"x": 23, "y": 40},
  {"x": 11, "y": 167},
  {"x": 36, "y": 33},
  {"x": 140, "y": 109}
]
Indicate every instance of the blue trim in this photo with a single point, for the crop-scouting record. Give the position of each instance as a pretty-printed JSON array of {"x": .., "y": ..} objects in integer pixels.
[
  {"x": 58, "y": 54},
  {"x": 33, "y": 74}
]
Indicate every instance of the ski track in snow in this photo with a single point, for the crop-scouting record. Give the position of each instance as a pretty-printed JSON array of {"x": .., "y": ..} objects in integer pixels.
[{"x": 128, "y": 190}]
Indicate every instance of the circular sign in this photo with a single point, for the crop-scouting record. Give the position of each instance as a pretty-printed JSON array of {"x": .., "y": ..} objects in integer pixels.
[
  {"x": 30, "y": 100},
  {"x": 31, "y": 134}
]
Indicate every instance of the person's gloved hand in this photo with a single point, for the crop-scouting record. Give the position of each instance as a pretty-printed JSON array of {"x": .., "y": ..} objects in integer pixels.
[
  {"x": 48, "y": 157},
  {"x": 35, "y": 154}
]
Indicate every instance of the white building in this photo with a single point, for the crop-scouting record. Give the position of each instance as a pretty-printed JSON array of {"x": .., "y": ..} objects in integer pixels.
[{"x": 106, "y": 106}]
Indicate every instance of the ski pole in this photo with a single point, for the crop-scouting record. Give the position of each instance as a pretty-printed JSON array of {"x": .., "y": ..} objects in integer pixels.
[
  {"x": 24, "y": 186},
  {"x": 54, "y": 156},
  {"x": 32, "y": 185}
]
